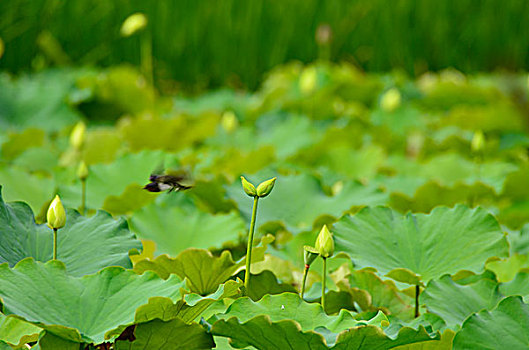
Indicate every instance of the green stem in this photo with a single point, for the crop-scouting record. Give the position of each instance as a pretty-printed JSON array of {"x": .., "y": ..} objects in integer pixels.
[
  {"x": 323, "y": 277},
  {"x": 83, "y": 197},
  {"x": 250, "y": 243},
  {"x": 305, "y": 273},
  {"x": 146, "y": 56},
  {"x": 54, "y": 244},
  {"x": 417, "y": 292}
]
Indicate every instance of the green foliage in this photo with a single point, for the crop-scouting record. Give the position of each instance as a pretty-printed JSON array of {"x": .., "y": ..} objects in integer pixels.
[
  {"x": 78, "y": 309},
  {"x": 85, "y": 245},
  {"x": 423, "y": 243},
  {"x": 503, "y": 327}
]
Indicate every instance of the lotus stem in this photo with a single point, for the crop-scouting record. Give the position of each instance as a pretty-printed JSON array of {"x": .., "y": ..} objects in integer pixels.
[
  {"x": 305, "y": 273},
  {"x": 324, "y": 277},
  {"x": 83, "y": 197},
  {"x": 417, "y": 293},
  {"x": 250, "y": 243},
  {"x": 54, "y": 244}
]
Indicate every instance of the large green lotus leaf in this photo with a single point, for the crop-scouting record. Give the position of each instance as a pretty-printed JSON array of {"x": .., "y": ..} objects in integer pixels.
[
  {"x": 50, "y": 341},
  {"x": 16, "y": 331},
  {"x": 432, "y": 194},
  {"x": 37, "y": 100},
  {"x": 371, "y": 293},
  {"x": 421, "y": 243},
  {"x": 505, "y": 327},
  {"x": 188, "y": 309},
  {"x": 41, "y": 160},
  {"x": 518, "y": 286},
  {"x": 175, "y": 224},
  {"x": 78, "y": 308},
  {"x": 445, "y": 343},
  {"x": 19, "y": 142},
  {"x": 85, "y": 244},
  {"x": 133, "y": 198},
  {"x": 370, "y": 337},
  {"x": 203, "y": 271},
  {"x": 298, "y": 200},
  {"x": 451, "y": 168},
  {"x": 506, "y": 269},
  {"x": 19, "y": 185},
  {"x": 266, "y": 283},
  {"x": 161, "y": 335},
  {"x": 515, "y": 185},
  {"x": 101, "y": 145},
  {"x": 289, "y": 306},
  {"x": 455, "y": 302},
  {"x": 518, "y": 240},
  {"x": 112, "y": 179}
]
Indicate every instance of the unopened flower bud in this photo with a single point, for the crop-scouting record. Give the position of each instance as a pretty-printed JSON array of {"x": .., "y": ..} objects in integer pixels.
[
  {"x": 248, "y": 187},
  {"x": 308, "y": 80},
  {"x": 134, "y": 23},
  {"x": 77, "y": 136},
  {"x": 265, "y": 187},
  {"x": 229, "y": 121},
  {"x": 56, "y": 215},
  {"x": 391, "y": 100},
  {"x": 325, "y": 243},
  {"x": 478, "y": 142},
  {"x": 82, "y": 171},
  {"x": 309, "y": 255}
]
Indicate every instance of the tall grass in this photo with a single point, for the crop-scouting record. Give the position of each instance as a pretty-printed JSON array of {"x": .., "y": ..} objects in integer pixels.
[{"x": 209, "y": 43}]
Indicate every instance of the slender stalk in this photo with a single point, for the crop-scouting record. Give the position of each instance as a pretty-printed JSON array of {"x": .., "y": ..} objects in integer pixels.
[
  {"x": 417, "y": 292},
  {"x": 250, "y": 243},
  {"x": 83, "y": 197},
  {"x": 324, "y": 278},
  {"x": 54, "y": 244},
  {"x": 305, "y": 273},
  {"x": 146, "y": 56}
]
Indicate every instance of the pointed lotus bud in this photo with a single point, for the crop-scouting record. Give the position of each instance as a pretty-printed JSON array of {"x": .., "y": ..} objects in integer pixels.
[
  {"x": 308, "y": 80},
  {"x": 229, "y": 121},
  {"x": 248, "y": 187},
  {"x": 309, "y": 255},
  {"x": 82, "y": 171},
  {"x": 265, "y": 187},
  {"x": 391, "y": 100},
  {"x": 325, "y": 242},
  {"x": 134, "y": 23},
  {"x": 478, "y": 142},
  {"x": 77, "y": 135},
  {"x": 56, "y": 215}
]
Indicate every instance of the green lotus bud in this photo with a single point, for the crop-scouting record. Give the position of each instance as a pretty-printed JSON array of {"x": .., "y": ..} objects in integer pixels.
[
  {"x": 308, "y": 80},
  {"x": 478, "y": 142},
  {"x": 229, "y": 121},
  {"x": 134, "y": 23},
  {"x": 391, "y": 100},
  {"x": 56, "y": 215},
  {"x": 325, "y": 243},
  {"x": 2, "y": 47},
  {"x": 77, "y": 136},
  {"x": 82, "y": 171},
  {"x": 248, "y": 187},
  {"x": 309, "y": 255},
  {"x": 265, "y": 187}
]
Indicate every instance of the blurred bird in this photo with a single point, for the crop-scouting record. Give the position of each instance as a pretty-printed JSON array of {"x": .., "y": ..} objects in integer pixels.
[{"x": 172, "y": 181}]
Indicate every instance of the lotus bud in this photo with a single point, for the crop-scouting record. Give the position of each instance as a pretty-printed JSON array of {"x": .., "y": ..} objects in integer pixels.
[
  {"x": 265, "y": 187},
  {"x": 308, "y": 80},
  {"x": 391, "y": 100},
  {"x": 56, "y": 215},
  {"x": 229, "y": 121},
  {"x": 1, "y": 47},
  {"x": 478, "y": 142},
  {"x": 325, "y": 243},
  {"x": 77, "y": 136},
  {"x": 82, "y": 171},
  {"x": 133, "y": 24},
  {"x": 248, "y": 187},
  {"x": 309, "y": 255}
]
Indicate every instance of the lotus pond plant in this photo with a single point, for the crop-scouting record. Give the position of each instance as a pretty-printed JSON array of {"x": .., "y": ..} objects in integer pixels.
[
  {"x": 56, "y": 217},
  {"x": 261, "y": 191}
]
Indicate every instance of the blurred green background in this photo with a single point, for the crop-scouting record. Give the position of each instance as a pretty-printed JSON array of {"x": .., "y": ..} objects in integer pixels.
[{"x": 206, "y": 44}]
